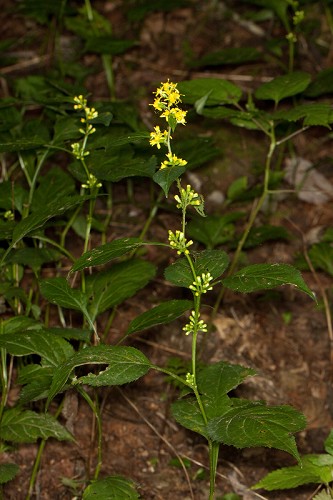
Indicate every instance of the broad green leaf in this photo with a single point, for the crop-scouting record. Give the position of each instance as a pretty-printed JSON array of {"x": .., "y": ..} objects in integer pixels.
[
  {"x": 313, "y": 114},
  {"x": 218, "y": 91},
  {"x": 114, "y": 170},
  {"x": 292, "y": 477},
  {"x": 159, "y": 315},
  {"x": 254, "y": 424},
  {"x": 55, "y": 184},
  {"x": 165, "y": 177},
  {"x": 111, "y": 287},
  {"x": 197, "y": 151},
  {"x": 19, "y": 324},
  {"x": 104, "y": 253},
  {"x": 213, "y": 230},
  {"x": 237, "y": 188},
  {"x": 71, "y": 333},
  {"x": 6, "y": 229},
  {"x": 111, "y": 488},
  {"x": 27, "y": 426},
  {"x": 126, "y": 364},
  {"x": 8, "y": 472},
  {"x": 36, "y": 381},
  {"x": 21, "y": 144},
  {"x": 10, "y": 193},
  {"x": 52, "y": 349},
  {"x": 322, "y": 495},
  {"x": 213, "y": 261},
  {"x": 283, "y": 86},
  {"x": 37, "y": 220},
  {"x": 322, "y": 459},
  {"x": 220, "y": 378},
  {"x": 187, "y": 413},
  {"x": 233, "y": 55},
  {"x": 58, "y": 291},
  {"x": 33, "y": 257},
  {"x": 321, "y": 255},
  {"x": 328, "y": 444},
  {"x": 265, "y": 277},
  {"x": 65, "y": 128}
]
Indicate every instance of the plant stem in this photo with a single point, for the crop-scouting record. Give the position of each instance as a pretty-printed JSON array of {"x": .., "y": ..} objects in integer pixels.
[{"x": 95, "y": 409}]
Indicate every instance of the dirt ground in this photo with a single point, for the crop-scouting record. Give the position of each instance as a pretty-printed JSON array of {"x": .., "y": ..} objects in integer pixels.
[{"x": 293, "y": 360}]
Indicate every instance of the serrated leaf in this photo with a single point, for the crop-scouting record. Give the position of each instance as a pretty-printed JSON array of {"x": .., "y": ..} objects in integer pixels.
[
  {"x": 125, "y": 363},
  {"x": 8, "y": 472},
  {"x": 159, "y": 315},
  {"x": 27, "y": 426},
  {"x": 265, "y": 277},
  {"x": 219, "y": 91},
  {"x": 54, "y": 185},
  {"x": 111, "y": 488},
  {"x": 187, "y": 413},
  {"x": 258, "y": 425},
  {"x": 213, "y": 261},
  {"x": 292, "y": 477},
  {"x": 313, "y": 114},
  {"x": 53, "y": 350},
  {"x": 104, "y": 253},
  {"x": 220, "y": 378},
  {"x": 283, "y": 86},
  {"x": 114, "y": 170},
  {"x": 33, "y": 257},
  {"x": 19, "y": 324},
  {"x": 322, "y": 495},
  {"x": 165, "y": 177},
  {"x": 111, "y": 287}
]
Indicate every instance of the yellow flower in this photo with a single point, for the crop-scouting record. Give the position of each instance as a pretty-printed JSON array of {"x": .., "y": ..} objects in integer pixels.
[
  {"x": 157, "y": 138},
  {"x": 174, "y": 114},
  {"x": 173, "y": 161}
]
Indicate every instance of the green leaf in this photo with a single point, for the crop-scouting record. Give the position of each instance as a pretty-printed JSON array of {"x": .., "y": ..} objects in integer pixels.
[
  {"x": 328, "y": 444},
  {"x": 111, "y": 488},
  {"x": 19, "y": 324},
  {"x": 292, "y": 477},
  {"x": 54, "y": 185},
  {"x": 111, "y": 287},
  {"x": 37, "y": 220},
  {"x": 126, "y": 364},
  {"x": 259, "y": 235},
  {"x": 27, "y": 426},
  {"x": 265, "y": 277},
  {"x": 213, "y": 230},
  {"x": 237, "y": 188},
  {"x": 159, "y": 315},
  {"x": 322, "y": 495},
  {"x": 11, "y": 192},
  {"x": 218, "y": 91},
  {"x": 213, "y": 261},
  {"x": 53, "y": 350},
  {"x": 321, "y": 256},
  {"x": 58, "y": 291},
  {"x": 254, "y": 424},
  {"x": 21, "y": 144},
  {"x": 187, "y": 413},
  {"x": 283, "y": 86},
  {"x": 114, "y": 170},
  {"x": 33, "y": 257},
  {"x": 104, "y": 253},
  {"x": 8, "y": 472},
  {"x": 165, "y": 177},
  {"x": 220, "y": 378},
  {"x": 313, "y": 114}
]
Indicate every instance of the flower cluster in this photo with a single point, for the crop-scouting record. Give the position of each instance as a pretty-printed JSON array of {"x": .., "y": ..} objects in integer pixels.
[
  {"x": 178, "y": 241},
  {"x": 78, "y": 149},
  {"x": 166, "y": 102},
  {"x": 195, "y": 324},
  {"x": 201, "y": 284},
  {"x": 92, "y": 182},
  {"x": 188, "y": 197}
]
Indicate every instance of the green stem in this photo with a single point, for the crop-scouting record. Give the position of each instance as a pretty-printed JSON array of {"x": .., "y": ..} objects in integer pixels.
[
  {"x": 34, "y": 181},
  {"x": 213, "y": 457},
  {"x": 95, "y": 409}
]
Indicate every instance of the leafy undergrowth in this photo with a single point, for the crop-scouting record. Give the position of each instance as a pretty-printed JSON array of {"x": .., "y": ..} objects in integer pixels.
[{"x": 153, "y": 260}]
